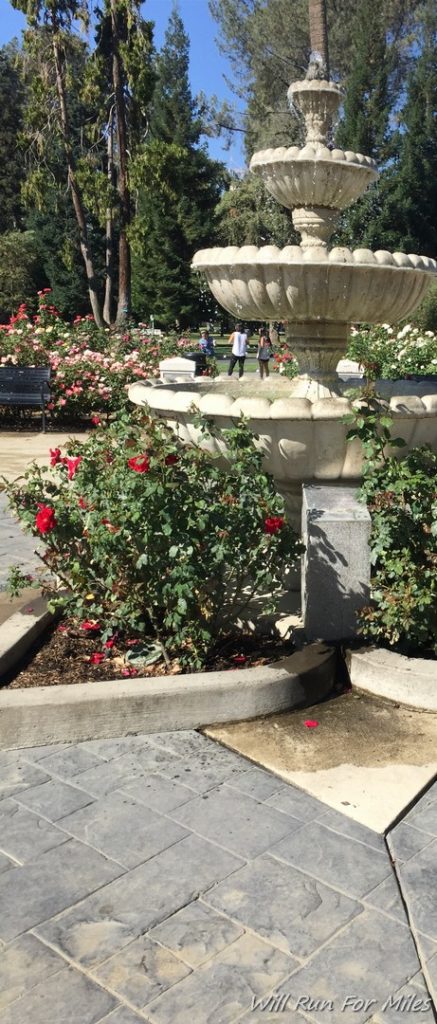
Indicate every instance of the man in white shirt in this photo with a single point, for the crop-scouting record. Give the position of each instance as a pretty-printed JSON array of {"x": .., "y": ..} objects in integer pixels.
[{"x": 238, "y": 339}]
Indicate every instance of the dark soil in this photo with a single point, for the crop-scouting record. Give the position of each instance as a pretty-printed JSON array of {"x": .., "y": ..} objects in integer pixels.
[{"x": 63, "y": 655}]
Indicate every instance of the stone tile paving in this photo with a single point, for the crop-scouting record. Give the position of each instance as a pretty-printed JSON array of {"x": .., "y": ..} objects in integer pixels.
[
  {"x": 413, "y": 847},
  {"x": 166, "y": 879}
]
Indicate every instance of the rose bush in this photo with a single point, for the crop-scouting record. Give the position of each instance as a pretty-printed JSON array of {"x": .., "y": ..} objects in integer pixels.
[
  {"x": 284, "y": 362},
  {"x": 152, "y": 539},
  {"x": 91, "y": 368},
  {"x": 394, "y": 354},
  {"x": 401, "y": 497}
]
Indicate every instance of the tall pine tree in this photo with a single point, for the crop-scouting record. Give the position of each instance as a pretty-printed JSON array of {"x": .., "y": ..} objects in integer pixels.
[
  {"x": 411, "y": 209},
  {"x": 180, "y": 187},
  {"x": 367, "y": 102},
  {"x": 11, "y": 161},
  {"x": 399, "y": 212}
]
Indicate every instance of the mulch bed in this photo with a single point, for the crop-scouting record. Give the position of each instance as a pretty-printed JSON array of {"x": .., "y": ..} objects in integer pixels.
[{"x": 63, "y": 655}]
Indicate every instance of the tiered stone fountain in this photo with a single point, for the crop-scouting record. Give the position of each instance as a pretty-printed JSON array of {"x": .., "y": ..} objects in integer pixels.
[{"x": 319, "y": 292}]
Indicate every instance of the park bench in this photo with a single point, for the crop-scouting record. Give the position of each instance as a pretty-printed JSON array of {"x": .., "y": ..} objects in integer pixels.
[{"x": 25, "y": 386}]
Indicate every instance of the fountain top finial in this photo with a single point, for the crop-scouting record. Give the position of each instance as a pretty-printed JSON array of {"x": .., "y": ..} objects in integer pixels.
[{"x": 318, "y": 100}]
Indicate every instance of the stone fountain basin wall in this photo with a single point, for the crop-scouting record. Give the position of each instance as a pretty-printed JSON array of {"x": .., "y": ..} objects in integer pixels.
[
  {"x": 311, "y": 285},
  {"x": 314, "y": 175},
  {"x": 300, "y": 440}
]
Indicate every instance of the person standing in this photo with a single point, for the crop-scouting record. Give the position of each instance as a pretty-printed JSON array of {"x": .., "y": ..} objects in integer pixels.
[
  {"x": 273, "y": 335},
  {"x": 206, "y": 342},
  {"x": 238, "y": 339},
  {"x": 264, "y": 353}
]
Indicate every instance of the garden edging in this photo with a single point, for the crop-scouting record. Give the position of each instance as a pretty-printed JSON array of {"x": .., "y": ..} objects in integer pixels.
[
  {"x": 394, "y": 677},
  {"x": 100, "y": 710}
]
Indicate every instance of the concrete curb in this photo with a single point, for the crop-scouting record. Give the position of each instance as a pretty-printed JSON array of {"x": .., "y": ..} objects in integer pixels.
[
  {"x": 55, "y": 714},
  {"x": 408, "y": 681},
  {"x": 20, "y": 630}
]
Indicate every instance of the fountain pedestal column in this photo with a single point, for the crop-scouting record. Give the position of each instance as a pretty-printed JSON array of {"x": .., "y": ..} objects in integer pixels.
[
  {"x": 336, "y": 564},
  {"x": 318, "y": 348}
]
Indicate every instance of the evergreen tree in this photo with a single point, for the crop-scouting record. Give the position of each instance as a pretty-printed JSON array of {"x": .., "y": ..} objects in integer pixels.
[
  {"x": 399, "y": 212},
  {"x": 412, "y": 192},
  {"x": 20, "y": 274},
  {"x": 248, "y": 215},
  {"x": 367, "y": 102},
  {"x": 11, "y": 162},
  {"x": 180, "y": 187},
  {"x": 56, "y": 244}
]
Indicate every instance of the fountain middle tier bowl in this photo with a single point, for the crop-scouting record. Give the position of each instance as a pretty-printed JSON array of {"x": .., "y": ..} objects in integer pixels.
[
  {"x": 314, "y": 175},
  {"x": 313, "y": 284}
]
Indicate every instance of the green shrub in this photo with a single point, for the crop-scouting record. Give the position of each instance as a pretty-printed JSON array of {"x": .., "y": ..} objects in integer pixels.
[
  {"x": 425, "y": 316},
  {"x": 152, "y": 539},
  {"x": 402, "y": 500}
]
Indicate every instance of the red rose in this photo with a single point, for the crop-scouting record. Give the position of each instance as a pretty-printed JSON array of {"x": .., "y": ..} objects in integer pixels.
[
  {"x": 55, "y": 456},
  {"x": 45, "y": 519},
  {"x": 82, "y": 503},
  {"x": 90, "y": 627},
  {"x": 272, "y": 524},
  {"x": 109, "y": 526},
  {"x": 72, "y": 465},
  {"x": 170, "y": 460},
  {"x": 139, "y": 464},
  {"x": 96, "y": 421},
  {"x": 96, "y": 658}
]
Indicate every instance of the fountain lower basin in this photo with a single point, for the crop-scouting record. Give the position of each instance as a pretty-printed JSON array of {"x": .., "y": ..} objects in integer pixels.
[{"x": 302, "y": 439}]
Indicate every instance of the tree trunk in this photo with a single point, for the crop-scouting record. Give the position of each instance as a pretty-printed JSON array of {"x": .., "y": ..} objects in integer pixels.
[
  {"x": 75, "y": 190},
  {"x": 124, "y": 255},
  {"x": 109, "y": 255},
  {"x": 319, "y": 31}
]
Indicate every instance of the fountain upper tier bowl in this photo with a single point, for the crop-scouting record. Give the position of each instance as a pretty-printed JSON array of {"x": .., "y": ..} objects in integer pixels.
[
  {"x": 315, "y": 284},
  {"x": 314, "y": 175}
]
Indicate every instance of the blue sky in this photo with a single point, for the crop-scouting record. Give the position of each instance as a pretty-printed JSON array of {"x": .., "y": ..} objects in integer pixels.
[{"x": 207, "y": 66}]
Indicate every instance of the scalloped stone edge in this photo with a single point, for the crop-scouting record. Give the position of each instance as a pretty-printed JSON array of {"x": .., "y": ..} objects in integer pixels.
[
  {"x": 252, "y": 255},
  {"x": 311, "y": 152},
  {"x": 160, "y": 397}
]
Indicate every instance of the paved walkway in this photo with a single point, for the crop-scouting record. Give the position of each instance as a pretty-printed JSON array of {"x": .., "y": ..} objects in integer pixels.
[
  {"x": 19, "y": 448},
  {"x": 165, "y": 879},
  {"x": 16, "y": 547}
]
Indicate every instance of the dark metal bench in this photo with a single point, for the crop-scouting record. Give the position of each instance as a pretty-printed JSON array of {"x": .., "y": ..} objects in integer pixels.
[{"x": 25, "y": 386}]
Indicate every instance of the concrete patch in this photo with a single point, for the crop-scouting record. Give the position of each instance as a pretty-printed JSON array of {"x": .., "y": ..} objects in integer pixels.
[{"x": 366, "y": 758}]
